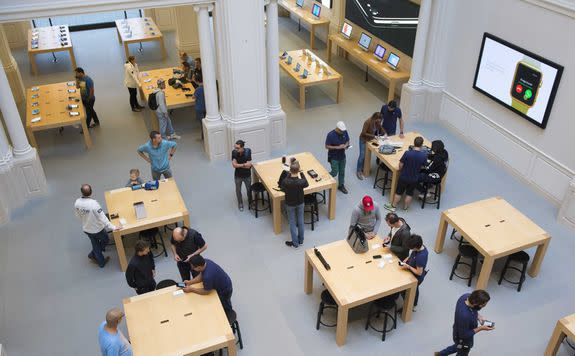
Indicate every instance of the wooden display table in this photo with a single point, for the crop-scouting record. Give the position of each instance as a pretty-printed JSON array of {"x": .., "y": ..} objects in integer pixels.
[
  {"x": 356, "y": 279},
  {"x": 391, "y": 161},
  {"x": 305, "y": 15},
  {"x": 163, "y": 206},
  {"x": 269, "y": 171},
  {"x": 170, "y": 322},
  {"x": 564, "y": 328},
  {"x": 316, "y": 75},
  {"x": 496, "y": 229},
  {"x": 139, "y": 29},
  {"x": 52, "y": 101},
  {"x": 49, "y": 41},
  {"x": 369, "y": 60},
  {"x": 175, "y": 98}
]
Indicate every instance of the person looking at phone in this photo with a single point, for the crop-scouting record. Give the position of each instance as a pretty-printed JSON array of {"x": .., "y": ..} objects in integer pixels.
[
  {"x": 213, "y": 277},
  {"x": 398, "y": 236},
  {"x": 336, "y": 142},
  {"x": 293, "y": 187},
  {"x": 185, "y": 244},
  {"x": 371, "y": 129},
  {"x": 142, "y": 269},
  {"x": 466, "y": 323},
  {"x": 416, "y": 262},
  {"x": 367, "y": 216}
]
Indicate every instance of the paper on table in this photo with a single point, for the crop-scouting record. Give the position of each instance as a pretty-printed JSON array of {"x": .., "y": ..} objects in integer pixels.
[
  {"x": 36, "y": 119},
  {"x": 375, "y": 246},
  {"x": 178, "y": 292},
  {"x": 381, "y": 264}
]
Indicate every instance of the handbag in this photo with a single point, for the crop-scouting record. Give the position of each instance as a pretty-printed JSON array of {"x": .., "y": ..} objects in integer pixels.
[
  {"x": 387, "y": 149},
  {"x": 357, "y": 240}
]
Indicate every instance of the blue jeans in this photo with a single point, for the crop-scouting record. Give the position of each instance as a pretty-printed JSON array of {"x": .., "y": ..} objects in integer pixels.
[
  {"x": 361, "y": 158},
  {"x": 165, "y": 122},
  {"x": 99, "y": 241},
  {"x": 462, "y": 351},
  {"x": 338, "y": 169},
  {"x": 296, "y": 228}
]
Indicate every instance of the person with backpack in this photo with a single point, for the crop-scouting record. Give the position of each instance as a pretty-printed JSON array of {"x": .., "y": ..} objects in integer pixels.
[{"x": 157, "y": 102}]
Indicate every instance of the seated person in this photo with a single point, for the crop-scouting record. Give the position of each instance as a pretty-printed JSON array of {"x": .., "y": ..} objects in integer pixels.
[
  {"x": 134, "y": 178},
  {"x": 367, "y": 216},
  {"x": 213, "y": 277},
  {"x": 185, "y": 58},
  {"x": 434, "y": 171},
  {"x": 188, "y": 72},
  {"x": 398, "y": 236},
  {"x": 196, "y": 71}
]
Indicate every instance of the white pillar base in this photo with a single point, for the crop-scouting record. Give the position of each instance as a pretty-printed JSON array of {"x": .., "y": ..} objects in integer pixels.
[
  {"x": 413, "y": 102},
  {"x": 278, "y": 129},
  {"x": 216, "y": 139},
  {"x": 256, "y": 133},
  {"x": 567, "y": 211}
]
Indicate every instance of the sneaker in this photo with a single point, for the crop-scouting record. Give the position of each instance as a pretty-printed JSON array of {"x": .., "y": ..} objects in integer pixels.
[
  {"x": 360, "y": 176},
  {"x": 175, "y": 137},
  {"x": 105, "y": 261},
  {"x": 92, "y": 259},
  {"x": 342, "y": 189},
  {"x": 405, "y": 208},
  {"x": 414, "y": 308},
  {"x": 290, "y": 244},
  {"x": 301, "y": 242},
  {"x": 136, "y": 109},
  {"x": 241, "y": 207},
  {"x": 389, "y": 207}
]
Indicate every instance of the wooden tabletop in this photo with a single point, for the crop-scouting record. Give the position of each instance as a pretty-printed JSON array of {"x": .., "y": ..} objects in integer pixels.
[
  {"x": 269, "y": 172},
  {"x": 141, "y": 28},
  {"x": 568, "y": 323},
  {"x": 175, "y": 98},
  {"x": 303, "y": 13},
  {"x": 169, "y": 322},
  {"x": 309, "y": 62},
  {"x": 53, "y": 102},
  {"x": 49, "y": 39},
  {"x": 392, "y": 161}
]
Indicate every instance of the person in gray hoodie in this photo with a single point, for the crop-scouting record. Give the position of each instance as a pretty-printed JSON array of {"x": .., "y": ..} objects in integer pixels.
[
  {"x": 367, "y": 216},
  {"x": 398, "y": 237}
]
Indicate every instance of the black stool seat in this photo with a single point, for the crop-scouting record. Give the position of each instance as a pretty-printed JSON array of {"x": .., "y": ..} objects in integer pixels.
[
  {"x": 386, "y": 178},
  {"x": 231, "y": 315},
  {"x": 258, "y": 187},
  {"x": 261, "y": 195},
  {"x": 468, "y": 251},
  {"x": 310, "y": 201},
  {"x": 520, "y": 257},
  {"x": 150, "y": 235},
  {"x": 327, "y": 302},
  {"x": 233, "y": 320},
  {"x": 326, "y": 298},
  {"x": 386, "y": 302},
  {"x": 383, "y": 305},
  {"x": 166, "y": 283}
]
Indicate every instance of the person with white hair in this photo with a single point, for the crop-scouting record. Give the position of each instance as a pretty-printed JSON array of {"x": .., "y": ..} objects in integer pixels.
[
  {"x": 112, "y": 341},
  {"x": 336, "y": 142}
]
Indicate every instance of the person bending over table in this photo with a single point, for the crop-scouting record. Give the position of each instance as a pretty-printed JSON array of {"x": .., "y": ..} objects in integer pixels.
[
  {"x": 159, "y": 154},
  {"x": 391, "y": 113},
  {"x": 367, "y": 216},
  {"x": 214, "y": 278},
  {"x": 416, "y": 262},
  {"x": 371, "y": 128},
  {"x": 398, "y": 236},
  {"x": 185, "y": 244}
]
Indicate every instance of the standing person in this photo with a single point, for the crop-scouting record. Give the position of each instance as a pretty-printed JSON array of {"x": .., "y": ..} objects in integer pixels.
[
  {"x": 200, "y": 102},
  {"x": 112, "y": 341},
  {"x": 293, "y": 187},
  {"x": 416, "y": 262},
  {"x": 391, "y": 113},
  {"x": 185, "y": 58},
  {"x": 86, "y": 86},
  {"x": 197, "y": 71},
  {"x": 94, "y": 224},
  {"x": 213, "y": 277},
  {"x": 371, "y": 128},
  {"x": 166, "y": 128},
  {"x": 410, "y": 165},
  {"x": 367, "y": 216},
  {"x": 185, "y": 244},
  {"x": 131, "y": 81},
  {"x": 465, "y": 325},
  {"x": 398, "y": 236},
  {"x": 160, "y": 153},
  {"x": 242, "y": 162},
  {"x": 336, "y": 142},
  {"x": 142, "y": 269}
]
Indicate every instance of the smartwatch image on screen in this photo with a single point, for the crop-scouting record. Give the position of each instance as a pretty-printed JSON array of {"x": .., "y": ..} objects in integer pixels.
[{"x": 526, "y": 83}]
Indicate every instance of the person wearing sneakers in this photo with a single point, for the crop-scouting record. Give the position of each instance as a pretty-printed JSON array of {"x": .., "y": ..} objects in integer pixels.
[
  {"x": 293, "y": 187},
  {"x": 159, "y": 154},
  {"x": 336, "y": 142},
  {"x": 367, "y": 216},
  {"x": 242, "y": 162},
  {"x": 410, "y": 165},
  {"x": 398, "y": 236},
  {"x": 94, "y": 223},
  {"x": 371, "y": 128},
  {"x": 416, "y": 262},
  {"x": 466, "y": 325},
  {"x": 166, "y": 128},
  {"x": 131, "y": 81},
  {"x": 390, "y": 113}
]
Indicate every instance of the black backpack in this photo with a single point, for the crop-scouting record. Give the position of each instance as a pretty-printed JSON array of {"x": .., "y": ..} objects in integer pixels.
[
  {"x": 283, "y": 175},
  {"x": 152, "y": 102}
]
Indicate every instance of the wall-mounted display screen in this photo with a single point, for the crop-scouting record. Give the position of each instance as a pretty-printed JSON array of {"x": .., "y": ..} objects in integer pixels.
[
  {"x": 364, "y": 41},
  {"x": 346, "y": 30},
  {"x": 316, "y": 10},
  {"x": 517, "y": 79},
  {"x": 379, "y": 52}
]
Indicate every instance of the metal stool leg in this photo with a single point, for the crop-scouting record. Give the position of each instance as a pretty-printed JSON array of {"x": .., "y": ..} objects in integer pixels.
[
  {"x": 457, "y": 259},
  {"x": 319, "y": 313},
  {"x": 503, "y": 271},
  {"x": 522, "y": 279},
  {"x": 472, "y": 272}
]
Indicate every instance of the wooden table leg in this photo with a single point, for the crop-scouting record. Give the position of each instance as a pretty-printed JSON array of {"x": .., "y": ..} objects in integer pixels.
[
  {"x": 163, "y": 46},
  {"x": 126, "y": 50},
  {"x": 341, "y": 329},
  {"x": 391, "y": 91},
  {"x": 332, "y": 200},
  {"x": 277, "y": 216},
  {"x": 555, "y": 340},
  {"x": 329, "y": 47},
  {"x": 339, "y": 89},
  {"x": 408, "y": 305},
  {"x": 86, "y": 134},
  {"x": 33, "y": 63},
  {"x": 394, "y": 179},
  {"x": 538, "y": 258},
  {"x": 232, "y": 347},
  {"x": 345, "y": 54},
  {"x": 485, "y": 272},
  {"x": 186, "y": 219},
  {"x": 32, "y": 138},
  {"x": 367, "y": 161},
  {"x": 302, "y": 97},
  {"x": 308, "y": 278},
  {"x": 311, "y": 36},
  {"x": 120, "y": 250},
  {"x": 72, "y": 57},
  {"x": 441, "y": 231},
  {"x": 154, "y": 121}
]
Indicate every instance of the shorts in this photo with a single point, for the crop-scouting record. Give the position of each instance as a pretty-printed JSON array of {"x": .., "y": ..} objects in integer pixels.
[{"x": 405, "y": 186}]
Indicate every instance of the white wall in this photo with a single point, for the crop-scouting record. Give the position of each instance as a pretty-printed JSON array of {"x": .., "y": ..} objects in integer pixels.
[{"x": 545, "y": 158}]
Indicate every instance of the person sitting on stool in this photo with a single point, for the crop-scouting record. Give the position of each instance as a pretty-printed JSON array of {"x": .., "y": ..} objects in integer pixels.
[{"x": 416, "y": 262}]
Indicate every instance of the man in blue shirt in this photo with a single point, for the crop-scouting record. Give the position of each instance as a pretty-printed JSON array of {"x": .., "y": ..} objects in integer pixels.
[
  {"x": 336, "y": 142},
  {"x": 213, "y": 277},
  {"x": 465, "y": 325},
  {"x": 200, "y": 101},
  {"x": 86, "y": 86},
  {"x": 391, "y": 113},
  {"x": 160, "y": 153},
  {"x": 416, "y": 262},
  {"x": 410, "y": 165},
  {"x": 112, "y": 341}
]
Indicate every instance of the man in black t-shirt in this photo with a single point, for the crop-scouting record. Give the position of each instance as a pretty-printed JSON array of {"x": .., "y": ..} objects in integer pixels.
[
  {"x": 242, "y": 162},
  {"x": 185, "y": 243}
]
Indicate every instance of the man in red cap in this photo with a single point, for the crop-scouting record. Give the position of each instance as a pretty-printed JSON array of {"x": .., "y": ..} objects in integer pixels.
[{"x": 367, "y": 215}]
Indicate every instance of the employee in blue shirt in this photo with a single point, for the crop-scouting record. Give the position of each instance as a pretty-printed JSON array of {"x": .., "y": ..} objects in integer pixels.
[
  {"x": 465, "y": 325},
  {"x": 336, "y": 142},
  {"x": 200, "y": 101},
  {"x": 391, "y": 113},
  {"x": 416, "y": 262},
  {"x": 159, "y": 154},
  {"x": 213, "y": 277},
  {"x": 86, "y": 86}
]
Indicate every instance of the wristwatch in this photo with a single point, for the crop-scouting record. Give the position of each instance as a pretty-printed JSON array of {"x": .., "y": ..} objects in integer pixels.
[{"x": 526, "y": 83}]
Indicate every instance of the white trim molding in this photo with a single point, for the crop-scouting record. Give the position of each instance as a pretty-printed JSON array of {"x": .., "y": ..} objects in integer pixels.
[{"x": 565, "y": 7}]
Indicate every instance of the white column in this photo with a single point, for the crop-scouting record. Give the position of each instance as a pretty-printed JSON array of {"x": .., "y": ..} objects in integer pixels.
[
  {"x": 208, "y": 62},
  {"x": 12, "y": 118},
  {"x": 272, "y": 42},
  {"x": 5, "y": 151},
  {"x": 418, "y": 60}
]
